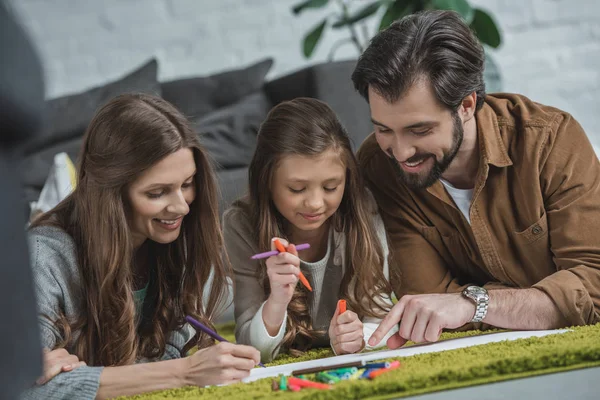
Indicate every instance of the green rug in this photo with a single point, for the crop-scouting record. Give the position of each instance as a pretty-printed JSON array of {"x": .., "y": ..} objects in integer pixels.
[{"x": 427, "y": 372}]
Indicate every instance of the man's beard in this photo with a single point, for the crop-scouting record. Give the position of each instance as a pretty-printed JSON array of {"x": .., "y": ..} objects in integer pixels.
[{"x": 421, "y": 181}]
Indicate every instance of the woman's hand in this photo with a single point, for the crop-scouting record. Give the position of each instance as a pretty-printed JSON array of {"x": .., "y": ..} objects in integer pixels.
[
  {"x": 346, "y": 333},
  {"x": 57, "y": 361},
  {"x": 221, "y": 364}
]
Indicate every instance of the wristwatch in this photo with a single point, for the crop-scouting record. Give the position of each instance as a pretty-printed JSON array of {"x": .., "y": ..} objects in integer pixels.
[{"x": 481, "y": 299}]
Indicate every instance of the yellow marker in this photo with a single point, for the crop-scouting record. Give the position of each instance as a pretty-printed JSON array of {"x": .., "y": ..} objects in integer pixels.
[{"x": 356, "y": 375}]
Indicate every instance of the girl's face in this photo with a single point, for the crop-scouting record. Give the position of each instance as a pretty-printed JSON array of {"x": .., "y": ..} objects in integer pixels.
[
  {"x": 307, "y": 190},
  {"x": 160, "y": 198}
]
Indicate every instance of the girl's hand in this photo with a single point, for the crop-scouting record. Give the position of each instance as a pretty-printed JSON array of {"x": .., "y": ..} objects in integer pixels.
[
  {"x": 346, "y": 333},
  {"x": 283, "y": 270},
  {"x": 57, "y": 361},
  {"x": 221, "y": 364}
]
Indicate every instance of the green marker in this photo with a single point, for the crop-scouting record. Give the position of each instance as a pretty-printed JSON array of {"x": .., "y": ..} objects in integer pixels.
[
  {"x": 283, "y": 383},
  {"x": 327, "y": 378}
]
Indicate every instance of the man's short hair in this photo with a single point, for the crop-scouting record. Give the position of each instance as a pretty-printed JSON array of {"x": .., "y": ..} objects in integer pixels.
[{"x": 437, "y": 46}]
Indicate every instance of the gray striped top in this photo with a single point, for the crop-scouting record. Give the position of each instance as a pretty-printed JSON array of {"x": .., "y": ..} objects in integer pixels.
[{"x": 57, "y": 285}]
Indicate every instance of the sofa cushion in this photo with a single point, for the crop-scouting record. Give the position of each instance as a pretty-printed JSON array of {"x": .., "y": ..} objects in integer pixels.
[
  {"x": 229, "y": 134},
  {"x": 198, "y": 96},
  {"x": 37, "y": 165},
  {"x": 331, "y": 83},
  {"x": 67, "y": 117},
  {"x": 233, "y": 184}
]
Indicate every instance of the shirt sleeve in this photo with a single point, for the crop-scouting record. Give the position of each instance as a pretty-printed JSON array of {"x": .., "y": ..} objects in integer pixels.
[
  {"x": 49, "y": 267},
  {"x": 570, "y": 178},
  {"x": 261, "y": 339},
  {"x": 249, "y": 295},
  {"x": 177, "y": 341}
]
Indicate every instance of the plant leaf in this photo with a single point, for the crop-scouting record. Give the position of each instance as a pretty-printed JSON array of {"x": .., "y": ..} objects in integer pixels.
[
  {"x": 485, "y": 28},
  {"x": 395, "y": 11},
  {"x": 312, "y": 38},
  {"x": 363, "y": 13},
  {"x": 298, "y": 8},
  {"x": 460, "y": 6}
]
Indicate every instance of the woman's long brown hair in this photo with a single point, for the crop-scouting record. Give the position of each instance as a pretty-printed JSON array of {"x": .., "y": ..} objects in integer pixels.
[
  {"x": 308, "y": 127},
  {"x": 126, "y": 137}
]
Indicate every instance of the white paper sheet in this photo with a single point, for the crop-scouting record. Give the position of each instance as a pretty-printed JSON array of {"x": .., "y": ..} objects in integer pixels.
[{"x": 449, "y": 344}]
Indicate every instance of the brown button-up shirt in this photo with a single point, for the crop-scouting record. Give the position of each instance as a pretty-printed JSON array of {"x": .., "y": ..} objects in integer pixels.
[{"x": 535, "y": 212}]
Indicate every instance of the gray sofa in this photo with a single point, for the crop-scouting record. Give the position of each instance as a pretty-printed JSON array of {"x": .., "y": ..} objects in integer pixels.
[{"x": 226, "y": 110}]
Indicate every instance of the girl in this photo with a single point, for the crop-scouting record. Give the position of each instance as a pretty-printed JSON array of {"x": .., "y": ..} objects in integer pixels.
[
  {"x": 121, "y": 261},
  {"x": 305, "y": 187}
]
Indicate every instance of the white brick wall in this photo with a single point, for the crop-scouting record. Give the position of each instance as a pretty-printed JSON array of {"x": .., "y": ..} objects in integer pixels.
[
  {"x": 551, "y": 49},
  {"x": 551, "y": 53}
]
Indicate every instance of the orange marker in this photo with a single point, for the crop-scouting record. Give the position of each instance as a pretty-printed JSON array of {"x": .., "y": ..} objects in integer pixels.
[
  {"x": 279, "y": 246},
  {"x": 294, "y": 388},
  {"x": 342, "y": 306},
  {"x": 304, "y": 383},
  {"x": 282, "y": 249}
]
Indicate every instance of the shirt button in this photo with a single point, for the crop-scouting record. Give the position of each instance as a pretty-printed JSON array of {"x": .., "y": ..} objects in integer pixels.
[{"x": 536, "y": 230}]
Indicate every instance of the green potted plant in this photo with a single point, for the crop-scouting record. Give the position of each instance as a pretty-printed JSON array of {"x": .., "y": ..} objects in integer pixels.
[{"x": 354, "y": 21}]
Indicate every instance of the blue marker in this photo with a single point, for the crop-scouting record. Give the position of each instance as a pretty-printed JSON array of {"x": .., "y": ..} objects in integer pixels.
[{"x": 365, "y": 374}]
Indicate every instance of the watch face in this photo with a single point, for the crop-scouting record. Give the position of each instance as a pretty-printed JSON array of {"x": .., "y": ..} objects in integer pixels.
[{"x": 476, "y": 290}]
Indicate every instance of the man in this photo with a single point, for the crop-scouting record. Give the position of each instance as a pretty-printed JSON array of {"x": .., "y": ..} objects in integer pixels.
[{"x": 492, "y": 203}]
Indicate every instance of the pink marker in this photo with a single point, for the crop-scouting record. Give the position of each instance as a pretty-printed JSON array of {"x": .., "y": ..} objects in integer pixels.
[{"x": 268, "y": 254}]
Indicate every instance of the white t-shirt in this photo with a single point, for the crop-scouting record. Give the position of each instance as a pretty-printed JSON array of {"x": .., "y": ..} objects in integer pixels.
[{"x": 462, "y": 198}]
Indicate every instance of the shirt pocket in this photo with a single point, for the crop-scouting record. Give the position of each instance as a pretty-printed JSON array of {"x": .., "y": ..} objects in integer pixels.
[
  {"x": 531, "y": 251},
  {"x": 534, "y": 232}
]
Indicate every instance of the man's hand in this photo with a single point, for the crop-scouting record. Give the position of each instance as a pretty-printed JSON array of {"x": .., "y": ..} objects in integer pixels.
[{"x": 422, "y": 318}]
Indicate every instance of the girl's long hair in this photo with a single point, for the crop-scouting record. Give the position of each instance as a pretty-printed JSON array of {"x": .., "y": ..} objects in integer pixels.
[
  {"x": 308, "y": 127},
  {"x": 126, "y": 137}
]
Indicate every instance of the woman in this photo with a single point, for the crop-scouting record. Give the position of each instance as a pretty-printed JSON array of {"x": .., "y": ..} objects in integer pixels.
[{"x": 121, "y": 261}]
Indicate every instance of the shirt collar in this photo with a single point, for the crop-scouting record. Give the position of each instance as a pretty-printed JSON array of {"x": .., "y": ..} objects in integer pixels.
[{"x": 491, "y": 145}]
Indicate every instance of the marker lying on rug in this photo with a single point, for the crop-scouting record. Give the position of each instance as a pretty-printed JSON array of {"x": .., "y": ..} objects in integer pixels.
[
  {"x": 306, "y": 383},
  {"x": 376, "y": 373},
  {"x": 268, "y": 254},
  {"x": 313, "y": 370},
  {"x": 376, "y": 365},
  {"x": 282, "y": 249},
  {"x": 356, "y": 375},
  {"x": 294, "y": 388},
  {"x": 327, "y": 378},
  {"x": 196, "y": 324}
]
